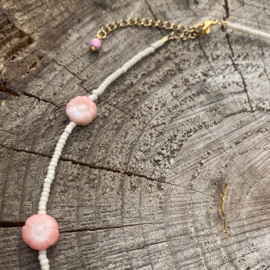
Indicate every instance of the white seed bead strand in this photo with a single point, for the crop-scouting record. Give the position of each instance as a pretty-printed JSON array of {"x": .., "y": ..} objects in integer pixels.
[
  {"x": 157, "y": 44},
  {"x": 51, "y": 170},
  {"x": 99, "y": 91},
  {"x": 93, "y": 97},
  {"x": 43, "y": 260},
  {"x": 248, "y": 30}
]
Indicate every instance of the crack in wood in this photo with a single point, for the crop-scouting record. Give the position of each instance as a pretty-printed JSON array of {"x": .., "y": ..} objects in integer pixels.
[
  {"x": 74, "y": 74},
  {"x": 11, "y": 224},
  {"x": 39, "y": 99},
  {"x": 60, "y": 65},
  {"x": 7, "y": 90},
  {"x": 91, "y": 166},
  {"x": 243, "y": 81},
  {"x": 229, "y": 44},
  {"x": 239, "y": 71},
  {"x": 227, "y": 14},
  {"x": 221, "y": 208},
  {"x": 227, "y": 10},
  {"x": 109, "y": 228}
]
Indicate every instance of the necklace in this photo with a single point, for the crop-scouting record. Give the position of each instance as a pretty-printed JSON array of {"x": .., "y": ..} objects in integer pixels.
[{"x": 41, "y": 230}]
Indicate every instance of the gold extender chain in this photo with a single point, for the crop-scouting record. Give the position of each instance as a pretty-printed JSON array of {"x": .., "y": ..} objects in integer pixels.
[{"x": 179, "y": 31}]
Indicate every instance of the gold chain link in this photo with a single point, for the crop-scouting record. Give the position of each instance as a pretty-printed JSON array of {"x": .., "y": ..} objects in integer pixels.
[{"x": 179, "y": 31}]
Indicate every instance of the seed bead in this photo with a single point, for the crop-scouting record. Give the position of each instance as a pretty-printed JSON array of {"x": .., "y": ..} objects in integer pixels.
[
  {"x": 42, "y": 203},
  {"x": 44, "y": 199},
  {"x": 46, "y": 185}
]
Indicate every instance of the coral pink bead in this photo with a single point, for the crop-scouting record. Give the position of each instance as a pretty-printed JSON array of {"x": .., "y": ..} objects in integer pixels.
[
  {"x": 81, "y": 110},
  {"x": 40, "y": 232},
  {"x": 95, "y": 44}
]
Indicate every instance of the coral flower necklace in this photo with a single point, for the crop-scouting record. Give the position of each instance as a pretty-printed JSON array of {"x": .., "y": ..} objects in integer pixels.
[{"x": 41, "y": 230}]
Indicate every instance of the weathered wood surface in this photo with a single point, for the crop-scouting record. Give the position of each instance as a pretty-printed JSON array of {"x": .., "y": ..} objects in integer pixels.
[{"x": 174, "y": 171}]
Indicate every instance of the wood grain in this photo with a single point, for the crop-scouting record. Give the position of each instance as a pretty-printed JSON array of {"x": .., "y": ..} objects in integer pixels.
[{"x": 174, "y": 171}]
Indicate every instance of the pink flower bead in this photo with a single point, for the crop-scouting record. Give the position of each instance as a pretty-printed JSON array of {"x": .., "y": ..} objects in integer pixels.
[
  {"x": 81, "y": 110},
  {"x": 40, "y": 231},
  {"x": 95, "y": 44}
]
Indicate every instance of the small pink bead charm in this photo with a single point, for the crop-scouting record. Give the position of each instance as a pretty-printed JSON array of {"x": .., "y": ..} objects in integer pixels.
[
  {"x": 81, "y": 110},
  {"x": 40, "y": 232},
  {"x": 95, "y": 44}
]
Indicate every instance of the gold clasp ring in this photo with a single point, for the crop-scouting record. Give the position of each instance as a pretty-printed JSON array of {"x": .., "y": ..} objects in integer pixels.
[{"x": 205, "y": 27}]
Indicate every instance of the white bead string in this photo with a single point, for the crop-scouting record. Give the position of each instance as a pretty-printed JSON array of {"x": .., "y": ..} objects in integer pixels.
[
  {"x": 44, "y": 262},
  {"x": 99, "y": 91},
  {"x": 248, "y": 30},
  {"x": 52, "y": 166}
]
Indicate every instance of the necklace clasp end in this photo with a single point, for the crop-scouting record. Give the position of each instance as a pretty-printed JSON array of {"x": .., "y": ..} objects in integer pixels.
[
  {"x": 205, "y": 27},
  {"x": 164, "y": 39}
]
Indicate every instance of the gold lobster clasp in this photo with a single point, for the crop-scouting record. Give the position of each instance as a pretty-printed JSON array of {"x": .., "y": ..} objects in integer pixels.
[{"x": 205, "y": 27}]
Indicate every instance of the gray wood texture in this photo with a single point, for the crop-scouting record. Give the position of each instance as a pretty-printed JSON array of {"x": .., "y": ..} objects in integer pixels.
[{"x": 174, "y": 171}]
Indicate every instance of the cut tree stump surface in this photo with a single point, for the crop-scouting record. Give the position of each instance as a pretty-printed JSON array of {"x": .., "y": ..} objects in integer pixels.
[{"x": 174, "y": 171}]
